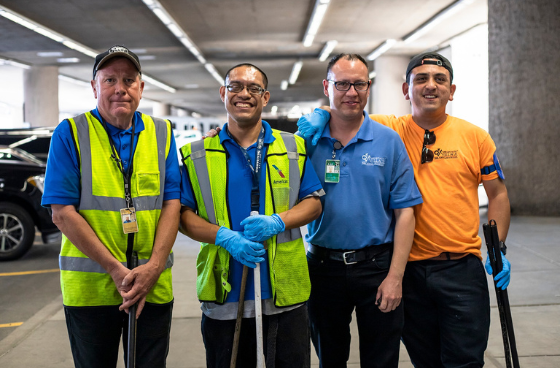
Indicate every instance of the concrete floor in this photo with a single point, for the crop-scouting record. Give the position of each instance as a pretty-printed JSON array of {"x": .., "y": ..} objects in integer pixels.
[{"x": 534, "y": 294}]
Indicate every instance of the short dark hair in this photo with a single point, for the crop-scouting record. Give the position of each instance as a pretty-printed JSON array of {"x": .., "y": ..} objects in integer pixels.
[
  {"x": 349, "y": 57},
  {"x": 265, "y": 79}
]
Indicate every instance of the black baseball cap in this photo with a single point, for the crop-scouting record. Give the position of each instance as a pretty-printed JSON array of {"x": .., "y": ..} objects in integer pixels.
[
  {"x": 115, "y": 51},
  {"x": 419, "y": 60}
]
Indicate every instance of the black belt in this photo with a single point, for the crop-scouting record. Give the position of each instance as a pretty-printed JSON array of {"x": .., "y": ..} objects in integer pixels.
[{"x": 350, "y": 256}]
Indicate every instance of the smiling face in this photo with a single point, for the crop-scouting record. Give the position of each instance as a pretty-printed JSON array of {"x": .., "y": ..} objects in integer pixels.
[
  {"x": 118, "y": 90},
  {"x": 244, "y": 108},
  {"x": 347, "y": 105},
  {"x": 429, "y": 90}
]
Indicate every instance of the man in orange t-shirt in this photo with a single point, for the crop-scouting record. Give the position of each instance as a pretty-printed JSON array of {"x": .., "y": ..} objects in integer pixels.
[{"x": 445, "y": 293}]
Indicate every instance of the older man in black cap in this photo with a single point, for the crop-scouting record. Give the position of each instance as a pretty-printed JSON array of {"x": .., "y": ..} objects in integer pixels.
[
  {"x": 113, "y": 184},
  {"x": 445, "y": 294}
]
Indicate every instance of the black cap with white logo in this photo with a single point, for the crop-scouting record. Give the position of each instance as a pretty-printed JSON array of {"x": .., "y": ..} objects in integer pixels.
[
  {"x": 115, "y": 51},
  {"x": 420, "y": 60}
]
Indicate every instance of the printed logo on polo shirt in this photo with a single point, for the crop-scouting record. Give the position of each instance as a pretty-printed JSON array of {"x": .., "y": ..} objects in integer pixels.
[
  {"x": 440, "y": 154},
  {"x": 276, "y": 181},
  {"x": 373, "y": 161}
]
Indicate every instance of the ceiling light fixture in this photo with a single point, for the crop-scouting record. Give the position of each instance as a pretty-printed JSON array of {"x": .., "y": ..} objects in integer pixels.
[
  {"x": 284, "y": 85},
  {"x": 78, "y": 82},
  {"x": 14, "y": 63},
  {"x": 315, "y": 21},
  {"x": 329, "y": 47},
  {"x": 28, "y": 23},
  {"x": 430, "y": 23},
  {"x": 295, "y": 72},
  {"x": 381, "y": 49},
  {"x": 167, "y": 19},
  {"x": 68, "y": 60}
]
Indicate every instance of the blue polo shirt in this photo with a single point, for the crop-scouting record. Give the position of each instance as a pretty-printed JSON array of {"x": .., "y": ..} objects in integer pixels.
[
  {"x": 240, "y": 182},
  {"x": 62, "y": 180},
  {"x": 376, "y": 177}
]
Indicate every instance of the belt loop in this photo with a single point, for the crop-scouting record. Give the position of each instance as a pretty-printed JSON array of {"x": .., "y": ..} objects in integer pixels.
[{"x": 448, "y": 256}]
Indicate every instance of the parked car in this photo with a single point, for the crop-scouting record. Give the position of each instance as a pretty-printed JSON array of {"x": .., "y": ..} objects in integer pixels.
[
  {"x": 21, "y": 187},
  {"x": 32, "y": 140},
  {"x": 183, "y": 137}
]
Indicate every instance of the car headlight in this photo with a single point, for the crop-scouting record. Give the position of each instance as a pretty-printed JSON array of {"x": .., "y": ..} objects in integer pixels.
[{"x": 37, "y": 181}]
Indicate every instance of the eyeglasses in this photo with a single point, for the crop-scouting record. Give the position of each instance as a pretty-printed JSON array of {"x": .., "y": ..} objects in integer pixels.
[
  {"x": 238, "y": 88},
  {"x": 429, "y": 139},
  {"x": 345, "y": 86}
]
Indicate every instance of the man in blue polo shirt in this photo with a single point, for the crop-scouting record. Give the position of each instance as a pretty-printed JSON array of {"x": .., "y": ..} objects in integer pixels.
[
  {"x": 359, "y": 245},
  {"x": 113, "y": 183},
  {"x": 250, "y": 167}
]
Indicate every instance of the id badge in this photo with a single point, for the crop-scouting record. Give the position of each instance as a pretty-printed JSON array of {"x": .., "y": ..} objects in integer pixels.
[
  {"x": 332, "y": 171},
  {"x": 128, "y": 219}
]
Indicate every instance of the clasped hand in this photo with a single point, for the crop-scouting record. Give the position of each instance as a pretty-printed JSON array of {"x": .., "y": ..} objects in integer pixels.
[{"x": 242, "y": 249}]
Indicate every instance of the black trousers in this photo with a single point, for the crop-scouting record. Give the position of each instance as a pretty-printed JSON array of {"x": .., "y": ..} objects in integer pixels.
[
  {"x": 336, "y": 289},
  {"x": 289, "y": 331},
  {"x": 447, "y": 313},
  {"x": 95, "y": 334}
]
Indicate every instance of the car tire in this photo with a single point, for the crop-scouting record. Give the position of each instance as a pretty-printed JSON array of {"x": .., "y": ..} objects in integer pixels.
[{"x": 17, "y": 231}]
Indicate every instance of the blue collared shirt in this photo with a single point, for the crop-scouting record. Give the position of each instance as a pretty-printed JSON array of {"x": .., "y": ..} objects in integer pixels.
[
  {"x": 376, "y": 177},
  {"x": 62, "y": 181},
  {"x": 240, "y": 182}
]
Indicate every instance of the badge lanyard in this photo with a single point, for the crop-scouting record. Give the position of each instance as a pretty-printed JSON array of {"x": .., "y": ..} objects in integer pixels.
[
  {"x": 332, "y": 166},
  {"x": 128, "y": 214},
  {"x": 255, "y": 196}
]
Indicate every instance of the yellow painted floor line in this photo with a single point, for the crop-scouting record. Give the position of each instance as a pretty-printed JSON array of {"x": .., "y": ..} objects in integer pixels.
[
  {"x": 14, "y": 324},
  {"x": 28, "y": 272}
]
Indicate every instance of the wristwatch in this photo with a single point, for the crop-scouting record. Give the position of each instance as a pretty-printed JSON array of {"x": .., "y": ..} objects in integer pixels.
[{"x": 503, "y": 247}]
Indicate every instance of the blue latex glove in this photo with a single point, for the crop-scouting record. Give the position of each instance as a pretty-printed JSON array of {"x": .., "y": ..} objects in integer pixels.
[
  {"x": 312, "y": 125},
  {"x": 260, "y": 228},
  {"x": 504, "y": 276},
  {"x": 242, "y": 249}
]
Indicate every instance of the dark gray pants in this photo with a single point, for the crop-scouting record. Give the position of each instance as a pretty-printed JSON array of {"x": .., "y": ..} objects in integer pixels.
[
  {"x": 288, "y": 329},
  {"x": 95, "y": 334}
]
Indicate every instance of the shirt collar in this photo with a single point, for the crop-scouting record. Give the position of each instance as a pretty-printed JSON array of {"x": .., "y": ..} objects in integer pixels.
[
  {"x": 137, "y": 118},
  {"x": 365, "y": 133},
  {"x": 268, "y": 137}
]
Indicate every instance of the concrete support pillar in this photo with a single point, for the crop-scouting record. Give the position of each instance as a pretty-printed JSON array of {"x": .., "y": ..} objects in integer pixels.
[
  {"x": 40, "y": 85},
  {"x": 524, "y": 83},
  {"x": 161, "y": 109},
  {"x": 387, "y": 86}
]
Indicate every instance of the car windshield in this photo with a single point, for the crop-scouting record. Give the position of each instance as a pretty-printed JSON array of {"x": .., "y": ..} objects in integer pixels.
[{"x": 16, "y": 154}]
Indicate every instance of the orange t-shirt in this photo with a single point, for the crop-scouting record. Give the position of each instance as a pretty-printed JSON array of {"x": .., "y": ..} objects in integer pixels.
[{"x": 448, "y": 220}]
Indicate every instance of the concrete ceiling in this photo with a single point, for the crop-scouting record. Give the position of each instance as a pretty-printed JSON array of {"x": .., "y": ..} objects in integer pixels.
[{"x": 267, "y": 33}]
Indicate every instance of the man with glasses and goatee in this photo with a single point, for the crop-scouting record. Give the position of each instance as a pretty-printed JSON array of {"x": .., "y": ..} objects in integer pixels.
[
  {"x": 445, "y": 293},
  {"x": 360, "y": 244},
  {"x": 250, "y": 167}
]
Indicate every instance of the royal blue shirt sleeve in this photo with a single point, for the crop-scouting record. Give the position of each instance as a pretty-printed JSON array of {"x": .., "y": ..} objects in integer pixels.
[
  {"x": 62, "y": 179},
  {"x": 172, "y": 187},
  {"x": 309, "y": 181},
  {"x": 187, "y": 194},
  {"x": 404, "y": 191}
]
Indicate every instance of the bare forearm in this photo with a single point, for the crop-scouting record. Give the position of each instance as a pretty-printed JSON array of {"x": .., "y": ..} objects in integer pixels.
[
  {"x": 499, "y": 210},
  {"x": 166, "y": 233},
  {"x": 404, "y": 234},
  {"x": 301, "y": 214},
  {"x": 197, "y": 228},
  {"x": 80, "y": 233}
]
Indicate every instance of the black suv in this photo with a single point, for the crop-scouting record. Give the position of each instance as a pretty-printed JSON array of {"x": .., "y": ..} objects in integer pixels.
[{"x": 21, "y": 188}]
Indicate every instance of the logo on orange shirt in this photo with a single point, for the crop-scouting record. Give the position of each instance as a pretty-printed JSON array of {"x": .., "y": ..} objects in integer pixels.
[{"x": 441, "y": 154}]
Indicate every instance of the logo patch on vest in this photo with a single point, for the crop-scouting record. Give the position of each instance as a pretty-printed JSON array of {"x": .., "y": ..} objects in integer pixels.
[{"x": 279, "y": 171}]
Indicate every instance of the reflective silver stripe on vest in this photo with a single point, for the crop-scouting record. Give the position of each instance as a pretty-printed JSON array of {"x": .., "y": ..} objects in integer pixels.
[
  {"x": 88, "y": 265},
  {"x": 293, "y": 157},
  {"x": 198, "y": 156},
  {"x": 90, "y": 202}
]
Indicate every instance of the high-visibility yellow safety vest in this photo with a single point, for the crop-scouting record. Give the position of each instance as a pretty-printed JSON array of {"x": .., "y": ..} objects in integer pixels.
[
  {"x": 208, "y": 172},
  {"x": 84, "y": 282}
]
